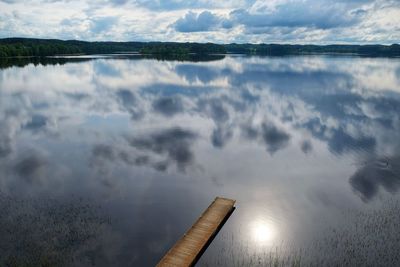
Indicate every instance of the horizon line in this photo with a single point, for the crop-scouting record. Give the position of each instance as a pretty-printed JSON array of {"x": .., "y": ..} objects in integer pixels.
[{"x": 182, "y": 42}]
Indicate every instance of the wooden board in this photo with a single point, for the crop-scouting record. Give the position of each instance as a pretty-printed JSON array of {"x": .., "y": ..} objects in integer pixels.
[{"x": 191, "y": 246}]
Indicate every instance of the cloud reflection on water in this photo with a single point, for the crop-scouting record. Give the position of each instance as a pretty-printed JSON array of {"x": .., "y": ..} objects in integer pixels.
[
  {"x": 382, "y": 172},
  {"x": 253, "y": 117},
  {"x": 175, "y": 143},
  {"x": 303, "y": 93}
]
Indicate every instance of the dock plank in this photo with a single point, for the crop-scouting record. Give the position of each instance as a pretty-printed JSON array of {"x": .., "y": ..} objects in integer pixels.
[{"x": 190, "y": 247}]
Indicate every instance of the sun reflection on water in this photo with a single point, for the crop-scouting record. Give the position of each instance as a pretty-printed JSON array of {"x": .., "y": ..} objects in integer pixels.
[{"x": 263, "y": 232}]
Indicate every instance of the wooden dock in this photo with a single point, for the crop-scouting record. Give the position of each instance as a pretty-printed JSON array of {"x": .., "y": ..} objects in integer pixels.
[{"x": 188, "y": 250}]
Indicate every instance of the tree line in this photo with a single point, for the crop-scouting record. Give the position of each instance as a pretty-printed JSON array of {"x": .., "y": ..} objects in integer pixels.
[
  {"x": 24, "y": 47},
  {"x": 27, "y": 47},
  {"x": 283, "y": 49}
]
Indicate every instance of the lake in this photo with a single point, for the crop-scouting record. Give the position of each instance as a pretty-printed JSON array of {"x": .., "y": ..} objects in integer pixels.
[{"x": 108, "y": 160}]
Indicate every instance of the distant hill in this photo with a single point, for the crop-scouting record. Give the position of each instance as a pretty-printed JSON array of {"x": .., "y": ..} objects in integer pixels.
[{"x": 25, "y": 47}]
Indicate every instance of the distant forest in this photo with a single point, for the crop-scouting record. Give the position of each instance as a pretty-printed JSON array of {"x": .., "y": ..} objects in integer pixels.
[{"x": 26, "y": 47}]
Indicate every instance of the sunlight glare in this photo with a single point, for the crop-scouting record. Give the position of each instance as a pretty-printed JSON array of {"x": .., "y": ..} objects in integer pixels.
[{"x": 262, "y": 232}]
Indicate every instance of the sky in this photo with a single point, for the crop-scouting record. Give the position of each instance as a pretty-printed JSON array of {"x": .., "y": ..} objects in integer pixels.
[{"x": 240, "y": 21}]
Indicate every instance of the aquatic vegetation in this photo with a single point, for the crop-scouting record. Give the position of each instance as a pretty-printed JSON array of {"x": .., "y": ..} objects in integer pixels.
[
  {"x": 48, "y": 232},
  {"x": 365, "y": 238}
]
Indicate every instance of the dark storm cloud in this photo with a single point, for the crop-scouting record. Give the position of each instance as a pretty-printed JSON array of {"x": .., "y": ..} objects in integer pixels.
[{"x": 382, "y": 172}]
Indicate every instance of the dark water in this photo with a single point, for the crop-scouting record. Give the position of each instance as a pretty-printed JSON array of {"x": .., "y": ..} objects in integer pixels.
[{"x": 107, "y": 161}]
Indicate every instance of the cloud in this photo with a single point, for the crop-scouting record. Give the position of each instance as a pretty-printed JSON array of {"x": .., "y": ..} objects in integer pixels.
[
  {"x": 175, "y": 143},
  {"x": 194, "y": 73},
  {"x": 10, "y": 123},
  {"x": 306, "y": 146},
  {"x": 241, "y": 91},
  {"x": 157, "y": 150},
  {"x": 119, "y": 2},
  {"x": 103, "y": 154},
  {"x": 193, "y": 22},
  {"x": 338, "y": 140},
  {"x": 275, "y": 139},
  {"x": 129, "y": 101},
  {"x": 379, "y": 172},
  {"x": 106, "y": 69},
  {"x": 6, "y": 142},
  {"x": 217, "y": 110},
  {"x": 32, "y": 168},
  {"x": 298, "y": 14},
  {"x": 308, "y": 21},
  {"x": 168, "y": 106},
  {"x": 172, "y": 4},
  {"x": 221, "y": 135},
  {"x": 342, "y": 142},
  {"x": 37, "y": 122}
]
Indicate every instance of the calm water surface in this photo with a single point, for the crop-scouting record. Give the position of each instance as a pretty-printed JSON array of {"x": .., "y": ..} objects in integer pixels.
[{"x": 107, "y": 161}]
